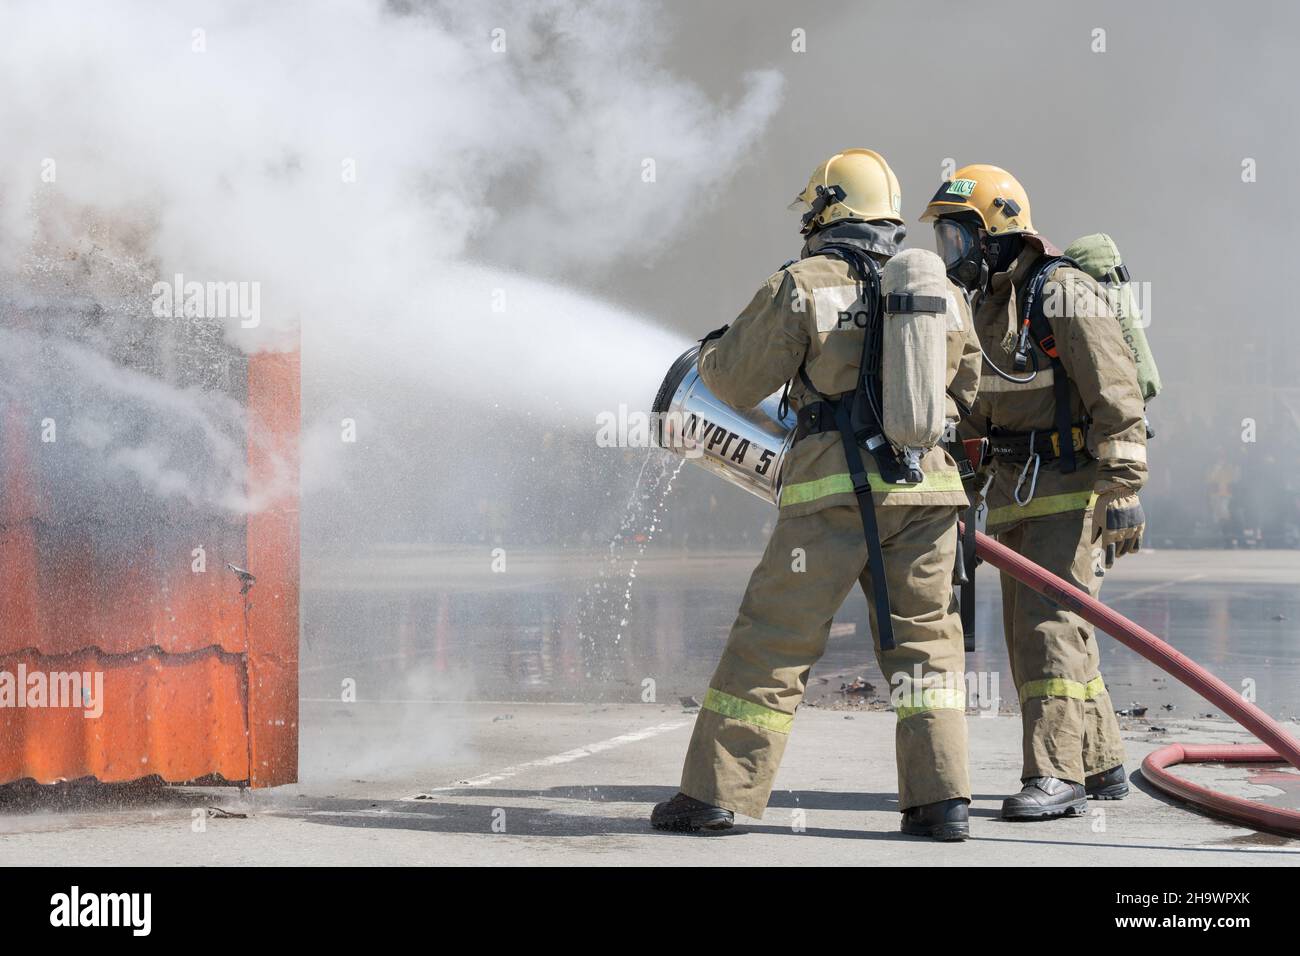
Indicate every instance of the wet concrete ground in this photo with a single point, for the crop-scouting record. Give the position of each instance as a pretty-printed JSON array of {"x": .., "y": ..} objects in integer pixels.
[
  {"x": 570, "y": 784},
  {"x": 452, "y": 714},
  {"x": 551, "y": 627}
]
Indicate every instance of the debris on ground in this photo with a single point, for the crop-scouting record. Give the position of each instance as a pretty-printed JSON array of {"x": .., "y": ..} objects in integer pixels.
[
  {"x": 218, "y": 813},
  {"x": 1132, "y": 710},
  {"x": 860, "y": 687},
  {"x": 690, "y": 703}
]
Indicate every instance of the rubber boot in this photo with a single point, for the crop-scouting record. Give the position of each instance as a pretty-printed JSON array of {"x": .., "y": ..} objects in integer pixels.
[
  {"x": 1110, "y": 784},
  {"x": 1042, "y": 798},
  {"x": 687, "y": 815},
  {"x": 947, "y": 820}
]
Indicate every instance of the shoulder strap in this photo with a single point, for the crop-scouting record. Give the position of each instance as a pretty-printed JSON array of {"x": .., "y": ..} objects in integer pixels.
[
  {"x": 1035, "y": 320},
  {"x": 865, "y": 407},
  {"x": 845, "y": 409}
]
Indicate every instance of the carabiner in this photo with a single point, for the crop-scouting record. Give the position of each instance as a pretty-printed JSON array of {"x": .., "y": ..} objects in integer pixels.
[{"x": 1034, "y": 459}]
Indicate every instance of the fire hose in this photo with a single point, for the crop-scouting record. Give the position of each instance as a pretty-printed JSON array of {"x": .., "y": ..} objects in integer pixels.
[{"x": 1280, "y": 747}]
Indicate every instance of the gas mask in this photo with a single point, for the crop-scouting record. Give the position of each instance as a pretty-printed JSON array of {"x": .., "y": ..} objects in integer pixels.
[
  {"x": 970, "y": 255},
  {"x": 958, "y": 243}
]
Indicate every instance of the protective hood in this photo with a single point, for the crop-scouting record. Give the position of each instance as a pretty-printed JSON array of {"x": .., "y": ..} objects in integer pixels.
[
  {"x": 879, "y": 236},
  {"x": 1043, "y": 244}
]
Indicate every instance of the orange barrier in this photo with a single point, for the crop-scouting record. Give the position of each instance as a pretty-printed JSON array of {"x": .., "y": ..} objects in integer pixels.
[{"x": 198, "y": 680}]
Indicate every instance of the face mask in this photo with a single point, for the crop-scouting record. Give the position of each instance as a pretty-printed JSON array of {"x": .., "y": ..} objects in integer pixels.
[{"x": 958, "y": 245}]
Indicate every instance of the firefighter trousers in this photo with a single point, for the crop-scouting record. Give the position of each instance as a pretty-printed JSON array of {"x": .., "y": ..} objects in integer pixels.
[
  {"x": 1069, "y": 724},
  {"x": 811, "y": 563}
]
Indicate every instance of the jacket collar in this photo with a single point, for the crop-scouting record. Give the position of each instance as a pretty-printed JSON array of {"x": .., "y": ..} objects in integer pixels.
[
  {"x": 1005, "y": 283},
  {"x": 880, "y": 237}
]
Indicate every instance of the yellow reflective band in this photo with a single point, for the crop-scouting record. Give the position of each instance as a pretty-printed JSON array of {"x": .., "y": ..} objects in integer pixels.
[
  {"x": 756, "y": 714},
  {"x": 1047, "y": 505},
  {"x": 806, "y": 491},
  {"x": 1063, "y": 687},
  {"x": 932, "y": 698}
]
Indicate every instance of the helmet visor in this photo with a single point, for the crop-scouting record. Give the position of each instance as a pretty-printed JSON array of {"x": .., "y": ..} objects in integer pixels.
[{"x": 954, "y": 241}]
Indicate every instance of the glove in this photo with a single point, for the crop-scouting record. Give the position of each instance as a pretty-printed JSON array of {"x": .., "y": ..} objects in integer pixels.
[
  {"x": 715, "y": 334},
  {"x": 1118, "y": 520}
]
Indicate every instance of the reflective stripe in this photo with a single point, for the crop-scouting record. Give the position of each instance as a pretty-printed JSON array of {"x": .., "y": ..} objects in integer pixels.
[
  {"x": 1127, "y": 450},
  {"x": 996, "y": 383},
  {"x": 932, "y": 698},
  {"x": 805, "y": 491},
  {"x": 756, "y": 714},
  {"x": 1047, "y": 505},
  {"x": 1063, "y": 687}
]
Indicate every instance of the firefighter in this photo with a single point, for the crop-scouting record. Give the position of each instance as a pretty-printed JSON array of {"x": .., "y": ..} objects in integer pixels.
[
  {"x": 1060, "y": 406},
  {"x": 795, "y": 332}
]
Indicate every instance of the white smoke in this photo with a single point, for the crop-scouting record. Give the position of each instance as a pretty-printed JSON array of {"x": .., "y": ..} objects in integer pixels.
[{"x": 351, "y": 157}]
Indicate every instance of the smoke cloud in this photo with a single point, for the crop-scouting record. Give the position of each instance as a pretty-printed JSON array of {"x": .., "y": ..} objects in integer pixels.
[{"x": 397, "y": 180}]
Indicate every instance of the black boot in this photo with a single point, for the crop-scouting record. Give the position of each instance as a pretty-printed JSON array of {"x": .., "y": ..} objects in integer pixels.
[
  {"x": 1042, "y": 798},
  {"x": 1110, "y": 784},
  {"x": 687, "y": 815},
  {"x": 947, "y": 820}
]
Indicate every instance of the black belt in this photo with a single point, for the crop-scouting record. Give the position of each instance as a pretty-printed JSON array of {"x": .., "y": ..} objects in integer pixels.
[
  {"x": 1015, "y": 447},
  {"x": 813, "y": 419}
]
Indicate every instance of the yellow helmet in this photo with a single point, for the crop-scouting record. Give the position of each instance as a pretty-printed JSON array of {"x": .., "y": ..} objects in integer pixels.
[
  {"x": 853, "y": 184},
  {"x": 991, "y": 192}
]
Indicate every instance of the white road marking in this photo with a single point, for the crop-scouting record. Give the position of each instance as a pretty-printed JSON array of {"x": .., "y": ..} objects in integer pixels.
[{"x": 562, "y": 758}]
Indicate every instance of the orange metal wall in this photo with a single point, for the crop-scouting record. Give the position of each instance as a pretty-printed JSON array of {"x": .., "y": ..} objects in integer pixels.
[
  {"x": 199, "y": 680},
  {"x": 274, "y": 399}
]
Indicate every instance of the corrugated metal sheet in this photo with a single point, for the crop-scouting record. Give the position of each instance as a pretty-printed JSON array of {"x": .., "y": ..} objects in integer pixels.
[
  {"x": 199, "y": 679},
  {"x": 180, "y": 716}
]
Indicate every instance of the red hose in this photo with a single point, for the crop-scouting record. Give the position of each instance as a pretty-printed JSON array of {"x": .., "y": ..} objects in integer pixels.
[{"x": 1282, "y": 747}]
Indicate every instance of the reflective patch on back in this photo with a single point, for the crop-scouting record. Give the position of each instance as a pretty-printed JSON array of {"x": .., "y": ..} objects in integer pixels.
[{"x": 829, "y": 302}]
